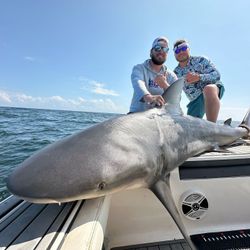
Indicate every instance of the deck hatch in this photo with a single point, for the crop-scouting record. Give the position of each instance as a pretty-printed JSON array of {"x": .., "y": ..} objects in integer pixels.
[{"x": 203, "y": 171}]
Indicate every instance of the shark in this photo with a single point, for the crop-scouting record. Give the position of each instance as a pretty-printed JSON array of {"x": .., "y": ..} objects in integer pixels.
[{"x": 138, "y": 150}]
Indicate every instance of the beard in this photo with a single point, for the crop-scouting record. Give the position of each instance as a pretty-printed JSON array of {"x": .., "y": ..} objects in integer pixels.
[
  {"x": 157, "y": 61},
  {"x": 183, "y": 58}
]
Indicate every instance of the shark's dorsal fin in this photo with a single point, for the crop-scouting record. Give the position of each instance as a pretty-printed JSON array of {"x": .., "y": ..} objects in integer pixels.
[
  {"x": 228, "y": 122},
  {"x": 246, "y": 119},
  {"x": 172, "y": 95},
  {"x": 246, "y": 124}
]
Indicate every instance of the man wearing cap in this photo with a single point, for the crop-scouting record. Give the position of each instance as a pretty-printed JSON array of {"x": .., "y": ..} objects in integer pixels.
[
  {"x": 151, "y": 78},
  {"x": 202, "y": 82}
]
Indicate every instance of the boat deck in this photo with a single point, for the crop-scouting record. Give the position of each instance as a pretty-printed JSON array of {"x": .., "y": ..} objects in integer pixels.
[
  {"x": 168, "y": 245},
  {"x": 34, "y": 226}
]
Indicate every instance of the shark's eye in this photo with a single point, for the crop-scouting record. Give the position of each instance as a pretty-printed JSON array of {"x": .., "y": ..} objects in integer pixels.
[{"x": 101, "y": 185}]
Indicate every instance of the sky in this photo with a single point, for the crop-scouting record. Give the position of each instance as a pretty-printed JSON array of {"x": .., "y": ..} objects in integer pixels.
[{"x": 79, "y": 54}]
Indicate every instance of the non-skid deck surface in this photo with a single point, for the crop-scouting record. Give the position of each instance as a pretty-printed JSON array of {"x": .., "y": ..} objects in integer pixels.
[
  {"x": 166, "y": 245},
  {"x": 31, "y": 226},
  {"x": 233, "y": 240}
]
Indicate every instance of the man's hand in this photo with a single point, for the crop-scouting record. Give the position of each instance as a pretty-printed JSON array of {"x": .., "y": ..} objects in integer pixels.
[
  {"x": 161, "y": 80},
  {"x": 154, "y": 99},
  {"x": 192, "y": 77}
]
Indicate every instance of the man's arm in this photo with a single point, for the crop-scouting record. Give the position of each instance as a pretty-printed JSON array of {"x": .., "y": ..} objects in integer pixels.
[
  {"x": 209, "y": 72},
  {"x": 141, "y": 91},
  {"x": 138, "y": 82}
]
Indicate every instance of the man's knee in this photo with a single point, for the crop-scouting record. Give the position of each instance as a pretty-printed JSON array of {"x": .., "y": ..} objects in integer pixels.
[{"x": 211, "y": 90}]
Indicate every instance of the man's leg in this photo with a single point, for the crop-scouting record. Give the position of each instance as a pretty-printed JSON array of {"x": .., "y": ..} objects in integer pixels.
[{"x": 212, "y": 102}]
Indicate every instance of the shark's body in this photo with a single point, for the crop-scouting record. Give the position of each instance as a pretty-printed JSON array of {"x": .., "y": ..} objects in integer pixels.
[{"x": 131, "y": 151}]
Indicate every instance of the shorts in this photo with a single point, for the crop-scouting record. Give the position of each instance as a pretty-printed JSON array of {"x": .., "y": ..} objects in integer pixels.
[{"x": 196, "y": 108}]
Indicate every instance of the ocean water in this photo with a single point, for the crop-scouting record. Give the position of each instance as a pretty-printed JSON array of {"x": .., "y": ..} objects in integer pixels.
[{"x": 24, "y": 131}]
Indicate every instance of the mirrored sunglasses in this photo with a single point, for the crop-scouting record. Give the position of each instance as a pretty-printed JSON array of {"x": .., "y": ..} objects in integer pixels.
[
  {"x": 158, "y": 48},
  {"x": 178, "y": 50}
]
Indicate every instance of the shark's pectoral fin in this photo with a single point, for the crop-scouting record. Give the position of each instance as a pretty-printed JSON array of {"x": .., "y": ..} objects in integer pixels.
[
  {"x": 238, "y": 142},
  {"x": 163, "y": 192},
  {"x": 217, "y": 149}
]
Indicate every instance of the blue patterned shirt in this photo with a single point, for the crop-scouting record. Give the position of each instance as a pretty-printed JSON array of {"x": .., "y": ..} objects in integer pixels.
[{"x": 208, "y": 75}]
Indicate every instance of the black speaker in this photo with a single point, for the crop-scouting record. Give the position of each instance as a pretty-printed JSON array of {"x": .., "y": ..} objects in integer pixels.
[{"x": 194, "y": 205}]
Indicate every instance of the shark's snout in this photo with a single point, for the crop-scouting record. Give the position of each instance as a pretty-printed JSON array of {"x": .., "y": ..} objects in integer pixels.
[
  {"x": 58, "y": 177},
  {"x": 24, "y": 186}
]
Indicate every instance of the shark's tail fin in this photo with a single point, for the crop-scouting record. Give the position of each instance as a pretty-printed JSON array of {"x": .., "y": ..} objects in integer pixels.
[{"x": 246, "y": 122}]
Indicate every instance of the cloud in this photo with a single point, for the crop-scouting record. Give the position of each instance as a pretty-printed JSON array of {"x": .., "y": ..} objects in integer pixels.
[
  {"x": 96, "y": 87},
  {"x": 92, "y": 104},
  {"x": 29, "y": 58},
  {"x": 104, "y": 104},
  {"x": 23, "y": 98},
  {"x": 57, "y": 98},
  {"x": 59, "y": 102},
  {"x": 4, "y": 97}
]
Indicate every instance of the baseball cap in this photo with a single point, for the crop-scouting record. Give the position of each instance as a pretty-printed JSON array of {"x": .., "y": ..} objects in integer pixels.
[{"x": 158, "y": 39}]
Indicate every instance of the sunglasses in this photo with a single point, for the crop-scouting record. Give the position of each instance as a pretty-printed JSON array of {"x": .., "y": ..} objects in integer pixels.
[
  {"x": 178, "y": 50},
  {"x": 158, "y": 48}
]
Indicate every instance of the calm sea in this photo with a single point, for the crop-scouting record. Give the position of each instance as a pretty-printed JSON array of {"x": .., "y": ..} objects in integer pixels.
[{"x": 24, "y": 131}]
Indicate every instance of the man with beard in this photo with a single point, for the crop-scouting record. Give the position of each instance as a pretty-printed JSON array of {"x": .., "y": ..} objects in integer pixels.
[
  {"x": 202, "y": 82},
  {"x": 151, "y": 78}
]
